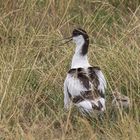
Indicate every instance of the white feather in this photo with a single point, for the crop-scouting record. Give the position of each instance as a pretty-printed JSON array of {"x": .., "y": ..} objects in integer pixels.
[
  {"x": 86, "y": 105},
  {"x": 102, "y": 101},
  {"x": 66, "y": 96},
  {"x": 102, "y": 81},
  {"x": 78, "y": 60}
]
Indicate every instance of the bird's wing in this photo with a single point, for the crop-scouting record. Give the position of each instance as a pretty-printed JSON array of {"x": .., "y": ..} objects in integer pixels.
[
  {"x": 81, "y": 87},
  {"x": 66, "y": 95},
  {"x": 98, "y": 79},
  {"x": 81, "y": 80}
]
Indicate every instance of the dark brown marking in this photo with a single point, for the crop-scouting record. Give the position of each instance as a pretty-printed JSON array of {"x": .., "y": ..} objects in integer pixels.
[
  {"x": 84, "y": 95},
  {"x": 80, "y": 69},
  {"x": 85, "y": 78},
  {"x": 99, "y": 107},
  {"x": 93, "y": 77},
  {"x": 88, "y": 95},
  {"x": 123, "y": 100},
  {"x": 94, "y": 68},
  {"x": 101, "y": 94},
  {"x": 69, "y": 94},
  {"x": 71, "y": 71}
]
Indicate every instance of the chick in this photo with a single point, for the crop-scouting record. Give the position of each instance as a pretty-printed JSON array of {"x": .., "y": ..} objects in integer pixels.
[{"x": 119, "y": 100}]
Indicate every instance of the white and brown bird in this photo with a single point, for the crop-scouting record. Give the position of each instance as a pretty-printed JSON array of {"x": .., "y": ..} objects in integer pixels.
[
  {"x": 84, "y": 85},
  {"x": 120, "y": 100}
]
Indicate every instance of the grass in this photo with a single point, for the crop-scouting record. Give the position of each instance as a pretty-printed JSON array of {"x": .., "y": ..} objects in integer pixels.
[{"x": 33, "y": 67}]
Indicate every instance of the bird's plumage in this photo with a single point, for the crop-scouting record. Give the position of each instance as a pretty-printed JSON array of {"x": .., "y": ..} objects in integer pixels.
[
  {"x": 120, "y": 100},
  {"x": 84, "y": 85}
]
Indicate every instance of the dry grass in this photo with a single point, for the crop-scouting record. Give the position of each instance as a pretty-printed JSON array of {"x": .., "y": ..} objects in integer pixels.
[{"x": 33, "y": 67}]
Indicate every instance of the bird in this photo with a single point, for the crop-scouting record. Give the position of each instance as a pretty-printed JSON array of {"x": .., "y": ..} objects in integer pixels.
[
  {"x": 120, "y": 100},
  {"x": 84, "y": 85}
]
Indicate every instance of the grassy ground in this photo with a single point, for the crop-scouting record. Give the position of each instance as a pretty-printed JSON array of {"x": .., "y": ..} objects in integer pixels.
[{"x": 33, "y": 67}]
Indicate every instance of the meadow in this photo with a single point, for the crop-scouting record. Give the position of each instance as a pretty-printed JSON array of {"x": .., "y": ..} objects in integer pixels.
[{"x": 33, "y": 66}]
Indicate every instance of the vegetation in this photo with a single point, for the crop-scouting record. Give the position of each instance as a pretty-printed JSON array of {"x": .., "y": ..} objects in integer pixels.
[{"x": 33, "y": 67}]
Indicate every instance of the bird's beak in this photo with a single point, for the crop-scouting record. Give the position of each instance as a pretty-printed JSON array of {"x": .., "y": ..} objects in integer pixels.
[{"x": 68, "y": 40}]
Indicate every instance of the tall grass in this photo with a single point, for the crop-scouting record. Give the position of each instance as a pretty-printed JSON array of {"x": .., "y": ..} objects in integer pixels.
[{"x": 33, "y": 67}]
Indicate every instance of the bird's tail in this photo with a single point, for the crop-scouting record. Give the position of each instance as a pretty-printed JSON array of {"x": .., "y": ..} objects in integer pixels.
[{"x": 91, "y": 106}]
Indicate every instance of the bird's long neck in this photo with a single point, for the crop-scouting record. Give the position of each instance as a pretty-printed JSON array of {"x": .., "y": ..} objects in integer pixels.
[{"x": 80, "y": 58}]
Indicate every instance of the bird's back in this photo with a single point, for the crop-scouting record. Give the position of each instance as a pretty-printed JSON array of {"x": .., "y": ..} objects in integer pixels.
[{"x": 85, "y": 88}]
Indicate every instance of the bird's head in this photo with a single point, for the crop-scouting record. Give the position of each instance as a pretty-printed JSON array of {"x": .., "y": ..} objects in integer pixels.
[
  {"x": 80, "y": 36},
  {"x": 81, "y": 39}
]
